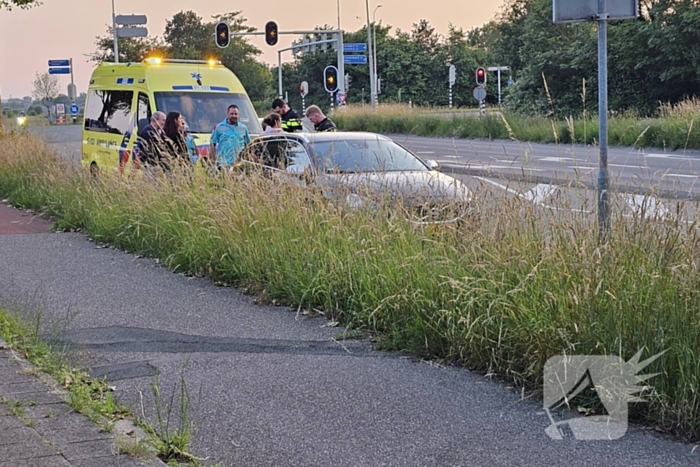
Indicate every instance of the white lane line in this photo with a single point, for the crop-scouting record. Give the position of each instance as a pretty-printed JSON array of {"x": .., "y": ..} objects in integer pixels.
[
  {"x": 451, "y": 156},
  {"x": 556, "y": 159},
  {"x": 668, "y": 156},
  {"x": 679, "y": 175},
  {"x": 629, "y": 166},
  {"x": 425, "y": 152}
]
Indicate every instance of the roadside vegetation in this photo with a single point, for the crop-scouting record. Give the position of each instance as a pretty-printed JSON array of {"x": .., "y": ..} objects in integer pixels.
[
  {"x": 95, "y": 398},
  {"x": 674, "y": 127},
  {"x": 514, "y": 286}
]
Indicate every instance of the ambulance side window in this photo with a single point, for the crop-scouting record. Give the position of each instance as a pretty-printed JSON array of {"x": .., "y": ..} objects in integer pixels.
[
  {"x": 143, "y": 112},
  {"x": 109, "y": 111}
]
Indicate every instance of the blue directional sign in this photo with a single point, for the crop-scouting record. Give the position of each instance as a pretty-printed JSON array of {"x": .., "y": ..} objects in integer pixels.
[
  {"x": 74, "y": 109},
  {"x": 355, "y": 47},
  {"x": 355, "y": 59},
  {"x": 59, "y": 62},
  {"x": 59, "y": 71}
]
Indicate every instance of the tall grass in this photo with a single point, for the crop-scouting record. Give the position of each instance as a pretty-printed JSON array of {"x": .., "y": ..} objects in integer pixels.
[
  {"x": 514, "y": 286},
  {"x": 674, "y": 128}
]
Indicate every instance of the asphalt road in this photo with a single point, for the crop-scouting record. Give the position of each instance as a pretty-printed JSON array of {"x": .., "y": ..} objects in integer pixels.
[
  {"x": 269, "y": 386},
  {"x": 673, "y": 173}
]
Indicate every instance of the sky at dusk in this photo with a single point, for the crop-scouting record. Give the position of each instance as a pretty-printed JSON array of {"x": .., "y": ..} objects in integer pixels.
[{"x": 62, "y": 29}]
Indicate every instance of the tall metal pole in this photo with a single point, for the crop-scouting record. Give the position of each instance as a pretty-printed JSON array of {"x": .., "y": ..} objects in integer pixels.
[
  {"x": 114, "y": 29},
  {"x": 374, "y": 54},
  {"x": 372, "y": 77},
  {"x": 499, "y": 85},
  {"x": 338, "y": 15},
  {"x": 341, "y": 64},
  {"x": 279, "y": 74},
  {"x": 603, "y": 176}
]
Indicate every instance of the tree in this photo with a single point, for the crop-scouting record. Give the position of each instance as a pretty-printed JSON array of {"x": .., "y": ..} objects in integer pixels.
[
  {"x": 45, "y": 89},
  {"x": 131, "y": 49},
  {"x": 24, "y": 4}
]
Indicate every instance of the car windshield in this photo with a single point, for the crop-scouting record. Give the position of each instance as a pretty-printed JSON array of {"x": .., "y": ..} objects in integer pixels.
[
  {"x": 204, "y": 110},
  {"x": 364, "y": 155}
]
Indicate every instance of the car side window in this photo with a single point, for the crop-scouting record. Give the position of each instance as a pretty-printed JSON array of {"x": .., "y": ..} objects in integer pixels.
[{"x": 297, "y": 155}]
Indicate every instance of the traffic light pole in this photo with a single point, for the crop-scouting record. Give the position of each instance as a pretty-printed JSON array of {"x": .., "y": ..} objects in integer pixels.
[
  {"x": 338, "y": 39},
  {"x": 603, "y": 176},
  {"x": 279, "y": 63}
]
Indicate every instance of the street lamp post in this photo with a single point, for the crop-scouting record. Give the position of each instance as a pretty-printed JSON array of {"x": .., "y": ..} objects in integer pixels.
[
  {"x": 372, "y": 77},
  {"x": 374, "y": 59},
  {"x": 114, "y": 30}
]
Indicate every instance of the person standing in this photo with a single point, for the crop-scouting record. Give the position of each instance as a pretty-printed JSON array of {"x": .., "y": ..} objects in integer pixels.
[
  {"x": 320, "y": 121},
  {"x": 291, "y": 120},
  {"x": 272, "y": 124},
  {"x": 228, "y": 139},
  {"x": 175, "y": 142},
  {"x": 151, "y": 145}
]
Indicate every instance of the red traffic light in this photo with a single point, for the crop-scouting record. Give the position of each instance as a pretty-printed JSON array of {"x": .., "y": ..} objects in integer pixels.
[
  {"x": 271, "y": 35},
  {"x": 481, "y": 76},
  {"x": 223, "y": 37}
]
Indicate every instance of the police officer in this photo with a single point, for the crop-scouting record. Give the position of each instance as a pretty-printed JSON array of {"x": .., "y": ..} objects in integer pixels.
[
  {"x": 320, "y": 121},
  {"x": 291, "y": 120}
]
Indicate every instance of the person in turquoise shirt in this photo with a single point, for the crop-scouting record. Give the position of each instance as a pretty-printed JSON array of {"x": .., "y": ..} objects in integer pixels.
[{"x": 228, "y": 139}]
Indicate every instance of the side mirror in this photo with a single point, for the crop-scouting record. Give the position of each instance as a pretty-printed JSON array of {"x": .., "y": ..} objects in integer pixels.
[{"x": 433, "y": 164}]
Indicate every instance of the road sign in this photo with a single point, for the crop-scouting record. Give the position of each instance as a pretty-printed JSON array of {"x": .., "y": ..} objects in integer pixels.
[
  {"x": 355, "y": 59},
  {"x": 132, "y": 32},
  {"x": 355, "y": 47},
  {"x": 130, "y": 20},
  {"x": 74, "y": 109},
  {"x": 59, "y": 71},
  {"x": 575, "y": 11},
  {"x": 453, "y": 75},
  {"x": 60, "y": 108},
  {"x": 479, "y": 93},
  {"x": 304, "y": 88},
  {"x": 59, "y": 62}
]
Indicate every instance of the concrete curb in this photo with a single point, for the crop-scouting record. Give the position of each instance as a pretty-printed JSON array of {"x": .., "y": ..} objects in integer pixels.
[{"x": 40, "y": 428}]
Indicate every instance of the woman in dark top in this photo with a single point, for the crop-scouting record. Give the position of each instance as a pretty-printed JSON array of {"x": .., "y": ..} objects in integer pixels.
[{"x": 176, "y": 143}]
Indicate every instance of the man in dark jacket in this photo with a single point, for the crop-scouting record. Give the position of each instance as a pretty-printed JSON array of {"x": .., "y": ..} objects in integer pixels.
[
  {"x": 151, "y": 143},
  {"x": 320, "y": 121},
  {"x": 291, "y": 120}
]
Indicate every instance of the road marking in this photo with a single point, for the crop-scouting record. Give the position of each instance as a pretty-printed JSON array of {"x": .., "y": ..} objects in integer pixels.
[
  {"x": 679, "y": 175},
  {"x": 647, "y": 204},
  {"x": 450, "y": 156},
  {"x": 668, "y": 156},
  {"x": 556, "y": 159},
  {"x": 425, "y": 152},
  {"x": 629, "y": 166},
  {"x": 537, "y": 194}
]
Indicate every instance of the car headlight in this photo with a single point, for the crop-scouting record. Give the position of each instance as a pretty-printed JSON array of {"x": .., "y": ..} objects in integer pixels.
[{"x": 21, "y": 120}]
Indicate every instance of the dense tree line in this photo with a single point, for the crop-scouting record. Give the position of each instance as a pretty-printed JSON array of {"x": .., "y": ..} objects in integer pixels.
[{"x": 651, "y": 60}]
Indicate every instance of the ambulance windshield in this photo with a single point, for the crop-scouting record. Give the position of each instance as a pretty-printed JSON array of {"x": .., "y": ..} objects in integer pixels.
[{"x": 204, "y": 110}]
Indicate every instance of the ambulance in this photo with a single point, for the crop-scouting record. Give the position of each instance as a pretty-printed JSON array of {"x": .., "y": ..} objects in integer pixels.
[{"x": 122, "y": 97}]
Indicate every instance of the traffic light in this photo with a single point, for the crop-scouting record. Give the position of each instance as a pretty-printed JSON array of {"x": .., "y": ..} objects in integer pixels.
[
  {"x": 330, "y": 78},
  {"x": 223, "y": 36},
  {"x": 271, "y": 33},
  {"x": 481, "y": 76}
]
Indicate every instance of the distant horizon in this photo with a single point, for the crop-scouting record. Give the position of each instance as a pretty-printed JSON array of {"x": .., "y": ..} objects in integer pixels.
[{"x": 57, "y": 35}]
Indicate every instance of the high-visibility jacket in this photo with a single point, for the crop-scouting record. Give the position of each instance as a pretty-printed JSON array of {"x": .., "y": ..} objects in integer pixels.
[{"x": 291, "y": 121}]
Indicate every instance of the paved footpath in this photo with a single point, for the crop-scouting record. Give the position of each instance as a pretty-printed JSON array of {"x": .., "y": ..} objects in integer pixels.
[{"x": 37, "y": 427}]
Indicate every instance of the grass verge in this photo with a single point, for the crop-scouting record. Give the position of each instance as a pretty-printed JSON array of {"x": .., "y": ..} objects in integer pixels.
[
  {"x": 675, "y": 128},
  {"x": 501, "y": 294}
]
